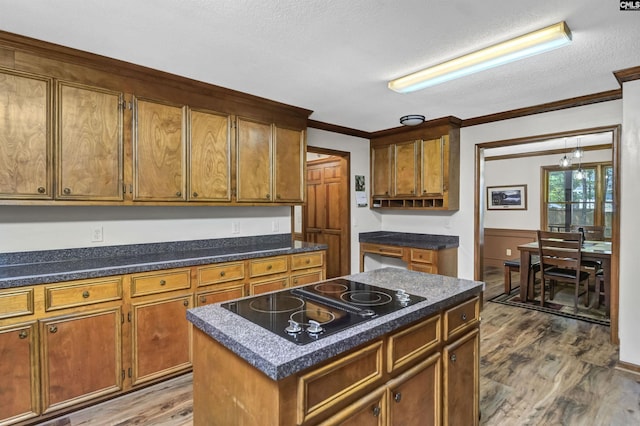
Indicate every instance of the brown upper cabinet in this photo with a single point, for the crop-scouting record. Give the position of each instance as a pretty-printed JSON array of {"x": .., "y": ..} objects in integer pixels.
[
  {"x": 418, "y": 168},
  {"x": 25, "y": 136},
  {"x": 85, "y": 129}
]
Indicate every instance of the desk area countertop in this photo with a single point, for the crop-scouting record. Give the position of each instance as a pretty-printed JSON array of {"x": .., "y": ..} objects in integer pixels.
[
  {"x": 407, "y": 239},
  {"x": 50, "y": 266}
]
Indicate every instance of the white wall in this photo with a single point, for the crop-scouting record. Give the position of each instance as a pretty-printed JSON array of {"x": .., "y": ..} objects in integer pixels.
[
  {"x": 28, "y": 228},
  {"x": 629, "y": 331},
  {"x": 363, "y": 219},
  {"x": 525, "y": 171}
]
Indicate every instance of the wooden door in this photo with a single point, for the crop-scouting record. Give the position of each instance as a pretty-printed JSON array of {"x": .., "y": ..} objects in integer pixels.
[
  {"x": 254, "y": 164},
  {"x": 19, "y": 372},
  {"x": 433, "y": 167},
  {"x": 461, "y": 361},
  {"x": 327, "y": 212},
  {"x": 289, "y": 165},
  {"x": 406, "y": 169},
  {"x": 89, "y": 145},
  {"x": 381, "y": 165},
  {"x": 161, "y": 338},
  {"x": 209, "y": 156},
  {"x": 81, "y": 358},
  {"x": 159, "y": 151},
  {"x": 25, "y": 136},
  {"x": 414, "y": 396}
]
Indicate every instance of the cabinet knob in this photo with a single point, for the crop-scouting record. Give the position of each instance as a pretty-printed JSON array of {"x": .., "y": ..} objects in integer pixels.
[
  {"x": 162, "y": 282},
  {"x": 195, "y": 194},
  {"x": 41, "y": 190},
  {"x": 268, "y": 196},
  {"x": 85, "y": 294},
  {"x": 23, "y": 334},
  {"x": 222, "y": 273},
  {"x": 464, "y": 316},
  {"x": 179, "y": 194},
  {"x": 203, "y": 299},
  {"x": 308, "y": 261},
  {"x": 66, "y": 191},
  {"x": 295, "y": 281},
  {"x": 269, "y": 267},
  {"x": 53, "y": 329},
  {"x": 397, "y": 396},
  {"x": 375, "y": 411},
  {"x": 453, "y": 357},
  {"x": 185, "y": 303}
]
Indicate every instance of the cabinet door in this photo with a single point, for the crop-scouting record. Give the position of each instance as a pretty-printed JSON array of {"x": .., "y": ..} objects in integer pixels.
[
  {"x": 461, "y": 380},
  {"x": 368, "y": 411},
  {"x": 161, "y": 338},
  {"x": 89, "y": 145},
  {"x": 406, "y": 170},
  {"x": 19, "y": 372},
  {"x": 381, "y": 157},
  {"x": 209, "y": 156},
  {"x": 81, "y": 358},
  {"x": 414, "y": 396},
  {"x": 433, "y": 166},
  {"x": 158, "y": 151},
  {"x": 289, "y": 160},
  {"x": 25, "y": 136},
  {"x": 254, "y": 163}
]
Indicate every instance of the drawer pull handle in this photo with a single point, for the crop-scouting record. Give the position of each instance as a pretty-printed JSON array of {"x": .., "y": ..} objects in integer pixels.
[
  {"x": 85, "y": 294},
  {"x": 66, "y": 191},
  {"x": 464, "y": 316},
  {"x": 267, "y": 196},
  {"x": 222, "y": 273},
  {"x": 41, "y": 190},
  {"x": 162, "y": 282},
  {"x": 195, "y": 194},
  {"x": 453, "y": 358},
  {"x": 308, "y": 261},
  {"x": 376, "y": 411},
  {"x": 269, "y": 267},
  {"x": 203, "y": 299},
  {"x": 53, "y": 329},
  {"x": 397, "y": 396},
  {"x": 185, "y": 302},
  {"x": 295, "y": 281},
  {"x": 178, "y": 194},
  {"x": 23, "y": 334}
]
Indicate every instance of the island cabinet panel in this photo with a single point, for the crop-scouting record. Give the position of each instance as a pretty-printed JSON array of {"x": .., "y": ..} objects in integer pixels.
[
  {"x": 161, "y": 338},
  {"x": 254, "y": 161},
  {"x": 209, "y": 156},
  {"x": 19, "y": 372},
  {"x": 368, "y": 411},
  {"x": 89, "y": 143},
  {"x": 412, "y": 343},
  {"x": 26, "y": 139},
  {"x": 461, "y": 380},
  {"x": 80, "y": 357},
  {"x": 159, "y": 151}
]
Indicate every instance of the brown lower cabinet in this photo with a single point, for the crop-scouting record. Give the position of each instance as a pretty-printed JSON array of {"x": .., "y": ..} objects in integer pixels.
[
  {"x": 67, "y": 345},
  {"x": 426, "y": 373}
]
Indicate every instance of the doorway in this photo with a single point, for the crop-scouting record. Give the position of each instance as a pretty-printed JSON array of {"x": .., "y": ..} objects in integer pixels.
[
  {"x": 326, "y": 214},
  {"x": 481, "y": 203}
]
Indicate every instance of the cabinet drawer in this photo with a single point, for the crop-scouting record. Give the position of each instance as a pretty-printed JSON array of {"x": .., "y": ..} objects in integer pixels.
[
  {"x": 268, "y": 266},
  {"x": 392, "y": 251},
  {"x": 143, "y": 284},
  {"x": 327, "y": 386},
  {"x": 221, "y": 273},
  {"x": 306, "y": 260},
  {"x": 423, "y": 256},
  {"x": 412, "y": 343},
  {"x": 429, "y": 268},
  {"x": 458, "y": 319},
  {"x": 268, "y": 285},
  {"x": 220, "y": 293},
  {"x": 82, "y": 293},
  {"x": 308, "y": 278},
  {"x": 16, "y": 302}
]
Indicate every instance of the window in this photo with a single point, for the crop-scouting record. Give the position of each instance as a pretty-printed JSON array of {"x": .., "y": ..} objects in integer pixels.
[{"x": 579, "y": 200}]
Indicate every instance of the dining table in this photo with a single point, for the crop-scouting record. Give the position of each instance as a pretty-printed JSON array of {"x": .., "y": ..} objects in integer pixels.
[{"x": 599, "y": 251}]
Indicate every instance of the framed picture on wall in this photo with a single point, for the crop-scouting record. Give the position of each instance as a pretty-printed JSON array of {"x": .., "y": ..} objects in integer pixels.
[{"x": 512, "y": 197}]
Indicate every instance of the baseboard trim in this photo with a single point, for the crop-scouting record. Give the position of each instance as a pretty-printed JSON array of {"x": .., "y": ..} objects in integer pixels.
[{"x": 628, "y": 367}]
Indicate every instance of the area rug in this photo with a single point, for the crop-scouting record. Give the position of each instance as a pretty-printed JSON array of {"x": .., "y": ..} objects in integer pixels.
[{"x": 562, "y": 305}]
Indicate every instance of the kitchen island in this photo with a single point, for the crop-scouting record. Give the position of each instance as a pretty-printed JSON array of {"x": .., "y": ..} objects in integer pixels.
[{"x": 417, "y": 363}]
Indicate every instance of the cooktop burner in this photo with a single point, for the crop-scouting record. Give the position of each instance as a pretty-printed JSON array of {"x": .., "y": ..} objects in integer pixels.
[{"x": 308, "y": 313}]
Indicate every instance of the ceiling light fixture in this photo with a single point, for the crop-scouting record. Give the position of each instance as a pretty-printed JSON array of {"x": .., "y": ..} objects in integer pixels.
[
  {"x": 530, "y": 44},
  {"x": 579, "y": 152},
  {"x": 412, "y": 120},
  {"x": 565, "y": 161}
]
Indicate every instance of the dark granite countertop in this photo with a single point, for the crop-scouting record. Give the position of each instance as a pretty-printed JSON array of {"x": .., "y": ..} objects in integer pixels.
[
  {"x": 278, "y": 358},
  {"x": 408, "y": 239},
  {"x": 49, "y": 266}
]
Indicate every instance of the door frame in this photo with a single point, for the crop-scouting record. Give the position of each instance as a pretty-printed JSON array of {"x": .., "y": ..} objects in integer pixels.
[{"x": 480, "y": 203}]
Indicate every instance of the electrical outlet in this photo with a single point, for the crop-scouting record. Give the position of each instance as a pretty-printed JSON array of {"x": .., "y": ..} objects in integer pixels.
[
  {"x": 508, "y": 252},
  {"x": 235, "y": 227},
  {"x": 97, "y": 234},
  {"x": 275, "y": 226}
]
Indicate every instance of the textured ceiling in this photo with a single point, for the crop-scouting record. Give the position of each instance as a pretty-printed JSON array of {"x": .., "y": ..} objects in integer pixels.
[{"x": 335, "y": 56}]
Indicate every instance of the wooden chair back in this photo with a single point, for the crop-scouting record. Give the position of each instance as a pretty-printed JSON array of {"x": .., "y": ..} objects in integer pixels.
[
  {"x": 560, "y": 250},
  {"x": 590, "y": 232}
]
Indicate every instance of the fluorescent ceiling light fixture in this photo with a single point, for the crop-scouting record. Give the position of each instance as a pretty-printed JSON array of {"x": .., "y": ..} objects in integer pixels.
[{"x": 539, "y": 41}]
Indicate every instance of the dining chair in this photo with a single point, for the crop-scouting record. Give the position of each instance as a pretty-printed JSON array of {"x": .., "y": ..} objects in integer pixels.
[
  {"x": 560, "y": 260},
  {"x": 589, "y": 232}
]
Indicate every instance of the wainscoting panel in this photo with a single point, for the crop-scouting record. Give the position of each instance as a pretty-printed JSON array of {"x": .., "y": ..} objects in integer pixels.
[{"x": 498, "y": 241}]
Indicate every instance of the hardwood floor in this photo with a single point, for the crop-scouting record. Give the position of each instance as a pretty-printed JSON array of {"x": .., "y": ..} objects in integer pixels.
[{"x": 536, "y": 369}]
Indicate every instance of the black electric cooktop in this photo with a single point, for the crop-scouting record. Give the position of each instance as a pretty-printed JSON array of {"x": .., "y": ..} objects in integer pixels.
[{"x": 308, "y": 313}]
